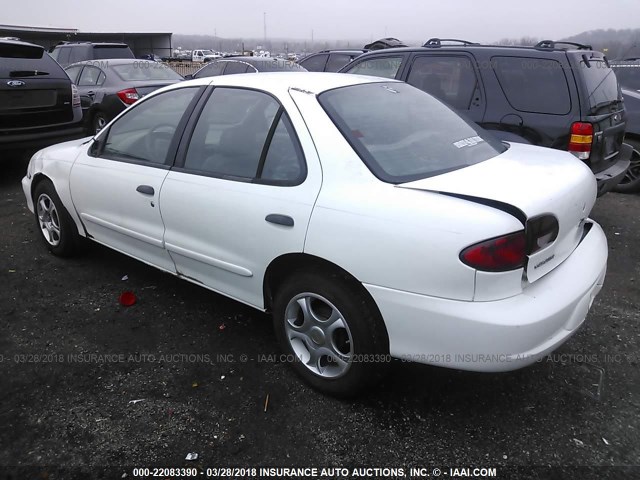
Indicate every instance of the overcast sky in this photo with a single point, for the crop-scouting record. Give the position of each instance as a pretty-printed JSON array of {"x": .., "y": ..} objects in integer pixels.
[{"x": 409, "y": 20}]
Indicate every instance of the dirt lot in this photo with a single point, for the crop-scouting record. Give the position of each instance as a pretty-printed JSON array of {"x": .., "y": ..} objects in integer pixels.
[{"x": 73, "y": 362}]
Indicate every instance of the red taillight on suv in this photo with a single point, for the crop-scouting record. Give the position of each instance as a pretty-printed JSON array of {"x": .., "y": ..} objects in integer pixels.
[
  {"x": 498, "y": 254},
  {"x": 581, "y": 140},
  {"x": 75, "y": 96},
  {"x": 128, "y": 95}
]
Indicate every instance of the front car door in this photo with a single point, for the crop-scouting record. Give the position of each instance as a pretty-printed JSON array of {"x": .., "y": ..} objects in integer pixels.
[
  {"x": 241, "y": 192},
  {"x": 116, "y": 182}
]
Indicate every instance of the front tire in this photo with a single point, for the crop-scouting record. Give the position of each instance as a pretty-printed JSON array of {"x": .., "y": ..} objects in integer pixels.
[
  {"x": 332, "y": 333},
  {"x": 57, "y": 229},
  {"x": 631, "y": 181}
]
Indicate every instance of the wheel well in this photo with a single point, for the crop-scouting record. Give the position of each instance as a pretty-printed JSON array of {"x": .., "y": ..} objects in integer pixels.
[
  {"x": 280, "y": 268},
  {"x": 38, "y": 178}
]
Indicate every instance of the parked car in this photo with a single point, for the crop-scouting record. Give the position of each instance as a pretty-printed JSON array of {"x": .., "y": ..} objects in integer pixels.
[
  {"x": 555, "y": 94},
  {"x": 204, "y": 56},
  {"x": 367, "y": 216},
  {"x": 39, "y": 105},
  {"x": 329, "y": 60},
  {"x": 628, "y": 73},
  {"x": 232, "y": 65},
  {"x": 107, "y": 88},
  {"x": 66, "y": 53}
]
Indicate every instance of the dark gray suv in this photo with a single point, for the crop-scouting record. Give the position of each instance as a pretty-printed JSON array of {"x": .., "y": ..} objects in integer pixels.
[
  {"x": 39, "y": 106},
  {"x": 66, "y": 53},
  {"x": 557, "y": 95}
]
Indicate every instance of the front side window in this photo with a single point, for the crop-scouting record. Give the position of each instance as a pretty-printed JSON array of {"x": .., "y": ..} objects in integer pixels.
[
  {"x": 403, "y": 134},
  {"x": 386, "y": 67},
  {"x": 144, "y": 134},
  {"x": 535, "y": 85},
  {"x": 450, "y": 79},
  {"x": 245, "y": 134}
]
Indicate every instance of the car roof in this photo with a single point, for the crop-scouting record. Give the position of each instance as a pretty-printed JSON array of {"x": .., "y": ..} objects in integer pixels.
[
  {"x": 95, "y": 44},
  {"x": 111, "y": 61},
  {"x": 19, "y": 42},
  {"x": 254, "y": 60},
  {"x": 309, "y": 82}
]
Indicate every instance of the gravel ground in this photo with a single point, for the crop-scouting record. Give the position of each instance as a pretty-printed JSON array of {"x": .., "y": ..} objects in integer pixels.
[{"x": 74, "y": 362}]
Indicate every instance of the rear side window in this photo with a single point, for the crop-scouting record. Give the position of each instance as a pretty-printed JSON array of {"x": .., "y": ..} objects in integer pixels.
[
  {"x": 245, "y": 134},
  {"x": 601, "y": 83},
  {"x": 450, "y": 79},
  {"x": 212, "y": 69},
  {"x": 337, "y": 61},
  {"x": 315, "y": 63},
  {"x": 63, "y": 55},
  {"x": 90, "y": 76},
  {"x": 533, "y": 85},
  {"x": 386, "y": 67},
  {"x": 78, "y": 54},
  {"x": 236, "y": 67},
  {"x": 24, "y": 61},
  {"x": 402, "y": 134}
]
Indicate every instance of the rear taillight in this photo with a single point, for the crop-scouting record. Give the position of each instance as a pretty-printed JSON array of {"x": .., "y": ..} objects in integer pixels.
[
  {"x": 128, "y": 96},
  {"x": 498, "y": 254},
  {"x": 75, "y": 96},
  {"x": 581, "y": 140}
]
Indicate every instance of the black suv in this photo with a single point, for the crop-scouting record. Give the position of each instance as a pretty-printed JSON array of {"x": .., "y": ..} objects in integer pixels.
[
  {"x": 628, "y": 73},
  {"x": 39, "y": 105},
  {"x": 554, "y": 94},
  {"x": 66, "y": 53},
  {"x": 329, "y": 60}
]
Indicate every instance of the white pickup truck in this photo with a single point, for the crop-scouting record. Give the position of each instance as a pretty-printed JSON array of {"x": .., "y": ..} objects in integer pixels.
[{"x": 204, "y": 56}]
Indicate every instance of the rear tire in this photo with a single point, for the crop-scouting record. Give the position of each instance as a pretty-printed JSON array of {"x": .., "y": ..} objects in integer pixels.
[
  {"x": 57, "y": 229},
  {"x": 98, "y": 122},
  {"x": 631, "y": 181},
  {"x": 333, "y": 335}
]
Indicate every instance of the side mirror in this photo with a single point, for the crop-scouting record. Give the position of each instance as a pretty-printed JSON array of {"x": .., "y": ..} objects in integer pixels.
[{"x": 189, "y": 76}]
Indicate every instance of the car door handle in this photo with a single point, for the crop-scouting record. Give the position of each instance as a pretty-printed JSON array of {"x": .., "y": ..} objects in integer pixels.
[
  {"x": 145, "y": 189},
  {"x": 278, "y": 219}
]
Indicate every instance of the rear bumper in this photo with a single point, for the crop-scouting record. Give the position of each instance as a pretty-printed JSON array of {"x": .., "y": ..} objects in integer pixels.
[
  {"x": 41, "y": 138},
  {"x": 498, "y": 335},
  {"x": 609, "y": 178}
]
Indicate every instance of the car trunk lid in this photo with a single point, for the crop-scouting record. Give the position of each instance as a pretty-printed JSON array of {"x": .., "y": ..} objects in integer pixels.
[{"x": 527, "y": 182}]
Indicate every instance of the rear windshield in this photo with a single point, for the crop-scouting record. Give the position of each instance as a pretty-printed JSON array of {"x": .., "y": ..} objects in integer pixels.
[
  {"x": 144, "y": 70},
  {"x": 628, "y": 75},
  {"x": 111, "y": 51},
  {"x": 404, "y": 134},
  {"x": 601, "y": 83},
  {"x": 23, "y": 61}
]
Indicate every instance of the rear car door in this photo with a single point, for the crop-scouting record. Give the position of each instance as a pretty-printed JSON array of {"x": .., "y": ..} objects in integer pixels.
[
  {"x": 115, "y": 184},
  {"x": 241, "y": 192},
  {"x": 89, "y": 85},
  {"x": 452, "y": 78}
]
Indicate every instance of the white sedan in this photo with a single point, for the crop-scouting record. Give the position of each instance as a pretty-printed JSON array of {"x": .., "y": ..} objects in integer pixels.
[{"x": 371, "y": 219}]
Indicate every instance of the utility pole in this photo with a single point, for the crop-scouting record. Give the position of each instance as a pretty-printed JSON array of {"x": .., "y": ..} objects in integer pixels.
[{"x": 264, "y": 18}]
